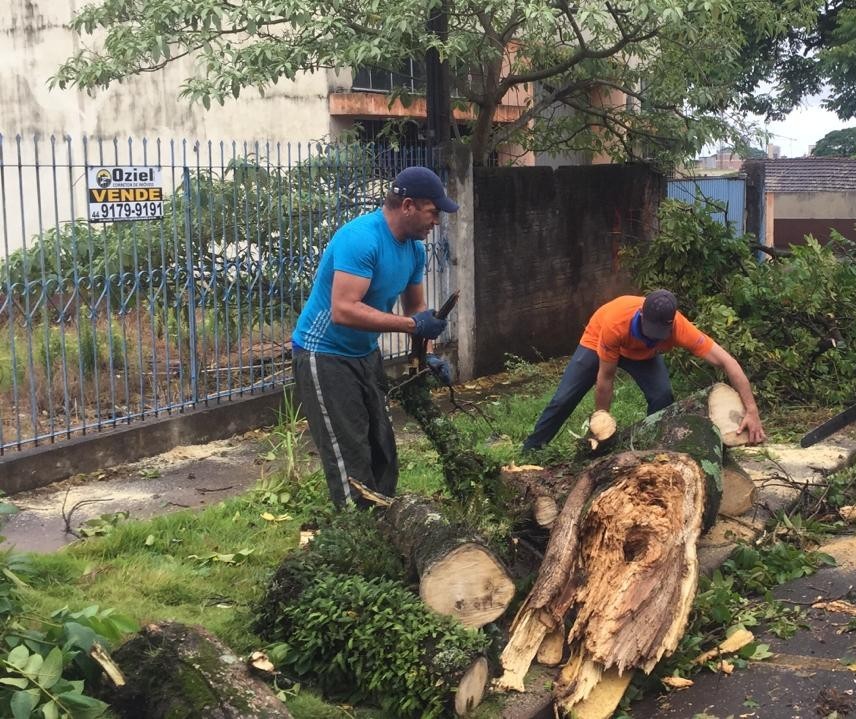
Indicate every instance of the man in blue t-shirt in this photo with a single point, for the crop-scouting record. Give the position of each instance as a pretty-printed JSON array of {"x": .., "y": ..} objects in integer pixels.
[{"x": 371, "y": 262}]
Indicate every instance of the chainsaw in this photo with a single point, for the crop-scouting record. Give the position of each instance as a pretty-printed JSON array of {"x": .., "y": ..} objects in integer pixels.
[
  {"x": 831, "y": 426},
  {"x": 419, "y": 346}
]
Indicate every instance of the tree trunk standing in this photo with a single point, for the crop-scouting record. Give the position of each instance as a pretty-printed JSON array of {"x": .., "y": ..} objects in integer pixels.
[
  {"x": 458, "y": 575},
  {"x": 177, "y": 672},
  {"x": 438, "y": 90}
]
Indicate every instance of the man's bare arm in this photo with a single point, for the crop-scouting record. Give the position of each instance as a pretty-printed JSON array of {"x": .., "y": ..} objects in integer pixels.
[
  {"x": 348, "y": 308},
  {"x": 605, "y": 385},
  {"x": 719, "y": 357}
]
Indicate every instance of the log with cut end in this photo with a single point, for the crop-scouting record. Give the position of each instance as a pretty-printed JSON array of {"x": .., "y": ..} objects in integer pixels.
[
  {"x": 545, "y": 510},
  {"x": 601, "y": 434},
  {"x": 458, "y": 574},
  {"x": 163, "y": 660},
  {"x": 719, "y": 403},
  {"x": 471, "y": 688}
]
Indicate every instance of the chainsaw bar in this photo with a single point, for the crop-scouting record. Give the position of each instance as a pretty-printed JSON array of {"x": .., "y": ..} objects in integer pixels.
[{"x": 831, "y": 426}]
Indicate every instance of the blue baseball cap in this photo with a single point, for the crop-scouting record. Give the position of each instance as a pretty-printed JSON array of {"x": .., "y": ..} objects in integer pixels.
[
  {"x": 420, "y": 183},
  {"x": 658, "y": 314}
]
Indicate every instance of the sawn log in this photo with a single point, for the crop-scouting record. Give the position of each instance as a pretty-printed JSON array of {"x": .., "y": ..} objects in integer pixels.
[{"x": 458, "y": 574}]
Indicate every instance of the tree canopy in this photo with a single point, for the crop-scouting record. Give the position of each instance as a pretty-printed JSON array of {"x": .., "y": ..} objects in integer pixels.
[
  {"x": 631, "y": 78},
  {"x": 838, "y": 143}
]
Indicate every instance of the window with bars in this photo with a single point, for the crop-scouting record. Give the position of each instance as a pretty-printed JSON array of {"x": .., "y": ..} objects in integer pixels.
[{"x": 410, "y": 76}]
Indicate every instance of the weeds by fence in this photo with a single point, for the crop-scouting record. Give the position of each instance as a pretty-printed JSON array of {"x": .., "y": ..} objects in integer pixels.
[{"x": 109, "y": 323}]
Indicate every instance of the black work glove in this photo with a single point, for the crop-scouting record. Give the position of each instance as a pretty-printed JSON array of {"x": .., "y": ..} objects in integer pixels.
[
  {"x": 428, "y": 326},
  {"x": 441, "y": 369}
]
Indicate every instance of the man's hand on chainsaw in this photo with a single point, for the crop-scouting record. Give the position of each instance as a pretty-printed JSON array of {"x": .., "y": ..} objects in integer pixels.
[
  {"x": 427, "y": 325},
  {"x": 441, "y": 369}
]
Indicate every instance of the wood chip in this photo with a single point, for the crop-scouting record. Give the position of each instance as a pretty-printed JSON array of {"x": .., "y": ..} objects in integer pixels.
[
  {"x": 677, "y": 682},
  {"x": 732, "y": 644}
]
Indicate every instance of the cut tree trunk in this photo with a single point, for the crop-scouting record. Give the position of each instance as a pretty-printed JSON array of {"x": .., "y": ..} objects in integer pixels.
[
  {"x": 638, "y": 551},
  {"x": 172, "y": 670},
  {"x": 458, "y": 574},
  {"x": 719, "y": 403},
  {"x": 621, "y": 554}
]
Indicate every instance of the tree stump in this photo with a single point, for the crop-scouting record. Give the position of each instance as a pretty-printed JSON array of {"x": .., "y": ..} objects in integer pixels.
[
  {"x": 173, "y": 671},
  {"x": 458, "y": 574}
]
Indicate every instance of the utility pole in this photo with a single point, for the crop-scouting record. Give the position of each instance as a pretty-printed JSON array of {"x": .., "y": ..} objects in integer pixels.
[{"x": 438, "y": 90}]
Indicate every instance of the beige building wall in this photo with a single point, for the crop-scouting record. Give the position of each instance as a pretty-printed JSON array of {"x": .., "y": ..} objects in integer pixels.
[
  {"x": 815, "y": 205},
  {"x": 35, "y": 39}
]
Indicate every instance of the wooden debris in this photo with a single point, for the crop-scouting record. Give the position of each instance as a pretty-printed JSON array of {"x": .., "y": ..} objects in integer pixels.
[
  {"x": 552, "y": 649},
  {"x": 738, "y": 490},
  {"x": 734, "y": 643},
  {"x": 471, "y": 687},
  {"x": 602, "y": 432},
  {"x": 677, "y": 682}
]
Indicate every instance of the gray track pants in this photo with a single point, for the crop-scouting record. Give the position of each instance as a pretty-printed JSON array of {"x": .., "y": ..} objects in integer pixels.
[{"x": 344, "y": 399}]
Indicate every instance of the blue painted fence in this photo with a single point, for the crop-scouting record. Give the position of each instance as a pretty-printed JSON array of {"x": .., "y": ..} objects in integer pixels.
[
  {"x": 725, "y": 195},
  {"x": 104, "y": 324}
]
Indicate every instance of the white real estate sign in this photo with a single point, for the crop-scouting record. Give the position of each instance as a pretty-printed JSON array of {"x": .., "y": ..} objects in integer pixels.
[{"x": 124, "y": 193}]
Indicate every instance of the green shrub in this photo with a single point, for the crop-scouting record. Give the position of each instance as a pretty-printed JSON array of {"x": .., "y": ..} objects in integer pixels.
[
  {"x": 788, "y": 321},
  {"x": 372, "y": 639}
]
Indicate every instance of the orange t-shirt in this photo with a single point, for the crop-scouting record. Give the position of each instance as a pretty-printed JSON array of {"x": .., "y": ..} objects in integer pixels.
[{"x": 608, "y": 333}]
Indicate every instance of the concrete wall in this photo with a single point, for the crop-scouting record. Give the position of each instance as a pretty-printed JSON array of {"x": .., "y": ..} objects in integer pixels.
[
  {"x": 545, "y": 253},
  {"x": 35, "y": 40}
]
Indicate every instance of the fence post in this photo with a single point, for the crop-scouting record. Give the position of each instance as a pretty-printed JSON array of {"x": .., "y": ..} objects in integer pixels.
[
  {"x": 459, "y": 162},
  {"x": 191, "y": 288}
]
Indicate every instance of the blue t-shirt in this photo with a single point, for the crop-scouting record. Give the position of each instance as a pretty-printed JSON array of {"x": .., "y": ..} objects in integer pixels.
[{"x": 364, "y": 247}]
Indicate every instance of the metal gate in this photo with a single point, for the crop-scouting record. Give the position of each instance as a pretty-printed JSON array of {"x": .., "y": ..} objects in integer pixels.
[{"x": 104, "y": 324}]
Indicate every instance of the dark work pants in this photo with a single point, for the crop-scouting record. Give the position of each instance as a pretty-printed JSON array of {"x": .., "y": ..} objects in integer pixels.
[
  {"x": 580, "y": 376},
  {"x": 344, "y": 399}
]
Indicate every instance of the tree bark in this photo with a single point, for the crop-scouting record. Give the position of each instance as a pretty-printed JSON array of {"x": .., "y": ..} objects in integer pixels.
[
  {"x": 458, "y": 574},
  {"x": 174, "y": 671},
  {"x": 634, "y": 519}
]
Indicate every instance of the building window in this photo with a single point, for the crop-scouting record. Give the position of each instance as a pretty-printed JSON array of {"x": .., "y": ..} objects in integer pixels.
[{"x": 410, "y": 76}]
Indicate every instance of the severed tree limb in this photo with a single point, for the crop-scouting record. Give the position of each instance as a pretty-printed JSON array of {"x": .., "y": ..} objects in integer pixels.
[{"x": 458, "y": 574}]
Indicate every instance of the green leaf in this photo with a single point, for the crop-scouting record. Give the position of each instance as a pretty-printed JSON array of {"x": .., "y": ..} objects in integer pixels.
[
  {"x": 50, "y": 710},
  {"x": 23, "y": 703},
  {"x": 51, "y": 669},
  {"x": 19, "y": 682},
  {"x": 18, "y": 656},
  {"x": 82, "y": 706}
]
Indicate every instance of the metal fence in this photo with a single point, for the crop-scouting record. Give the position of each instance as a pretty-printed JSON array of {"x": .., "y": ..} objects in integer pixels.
[
  {"x": 726, "y": 196},
  {"x": 107, "y": 323}
]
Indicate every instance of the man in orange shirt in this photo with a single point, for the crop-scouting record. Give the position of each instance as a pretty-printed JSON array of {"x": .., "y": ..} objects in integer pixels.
[{"x": 632, "y": 333}]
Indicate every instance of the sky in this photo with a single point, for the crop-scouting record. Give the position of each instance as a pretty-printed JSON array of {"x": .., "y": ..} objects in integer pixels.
[{"x": 804, "y": 127}]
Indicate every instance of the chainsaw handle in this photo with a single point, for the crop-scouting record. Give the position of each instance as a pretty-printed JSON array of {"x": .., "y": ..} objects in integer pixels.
[{"x": 419, "y": 346}]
